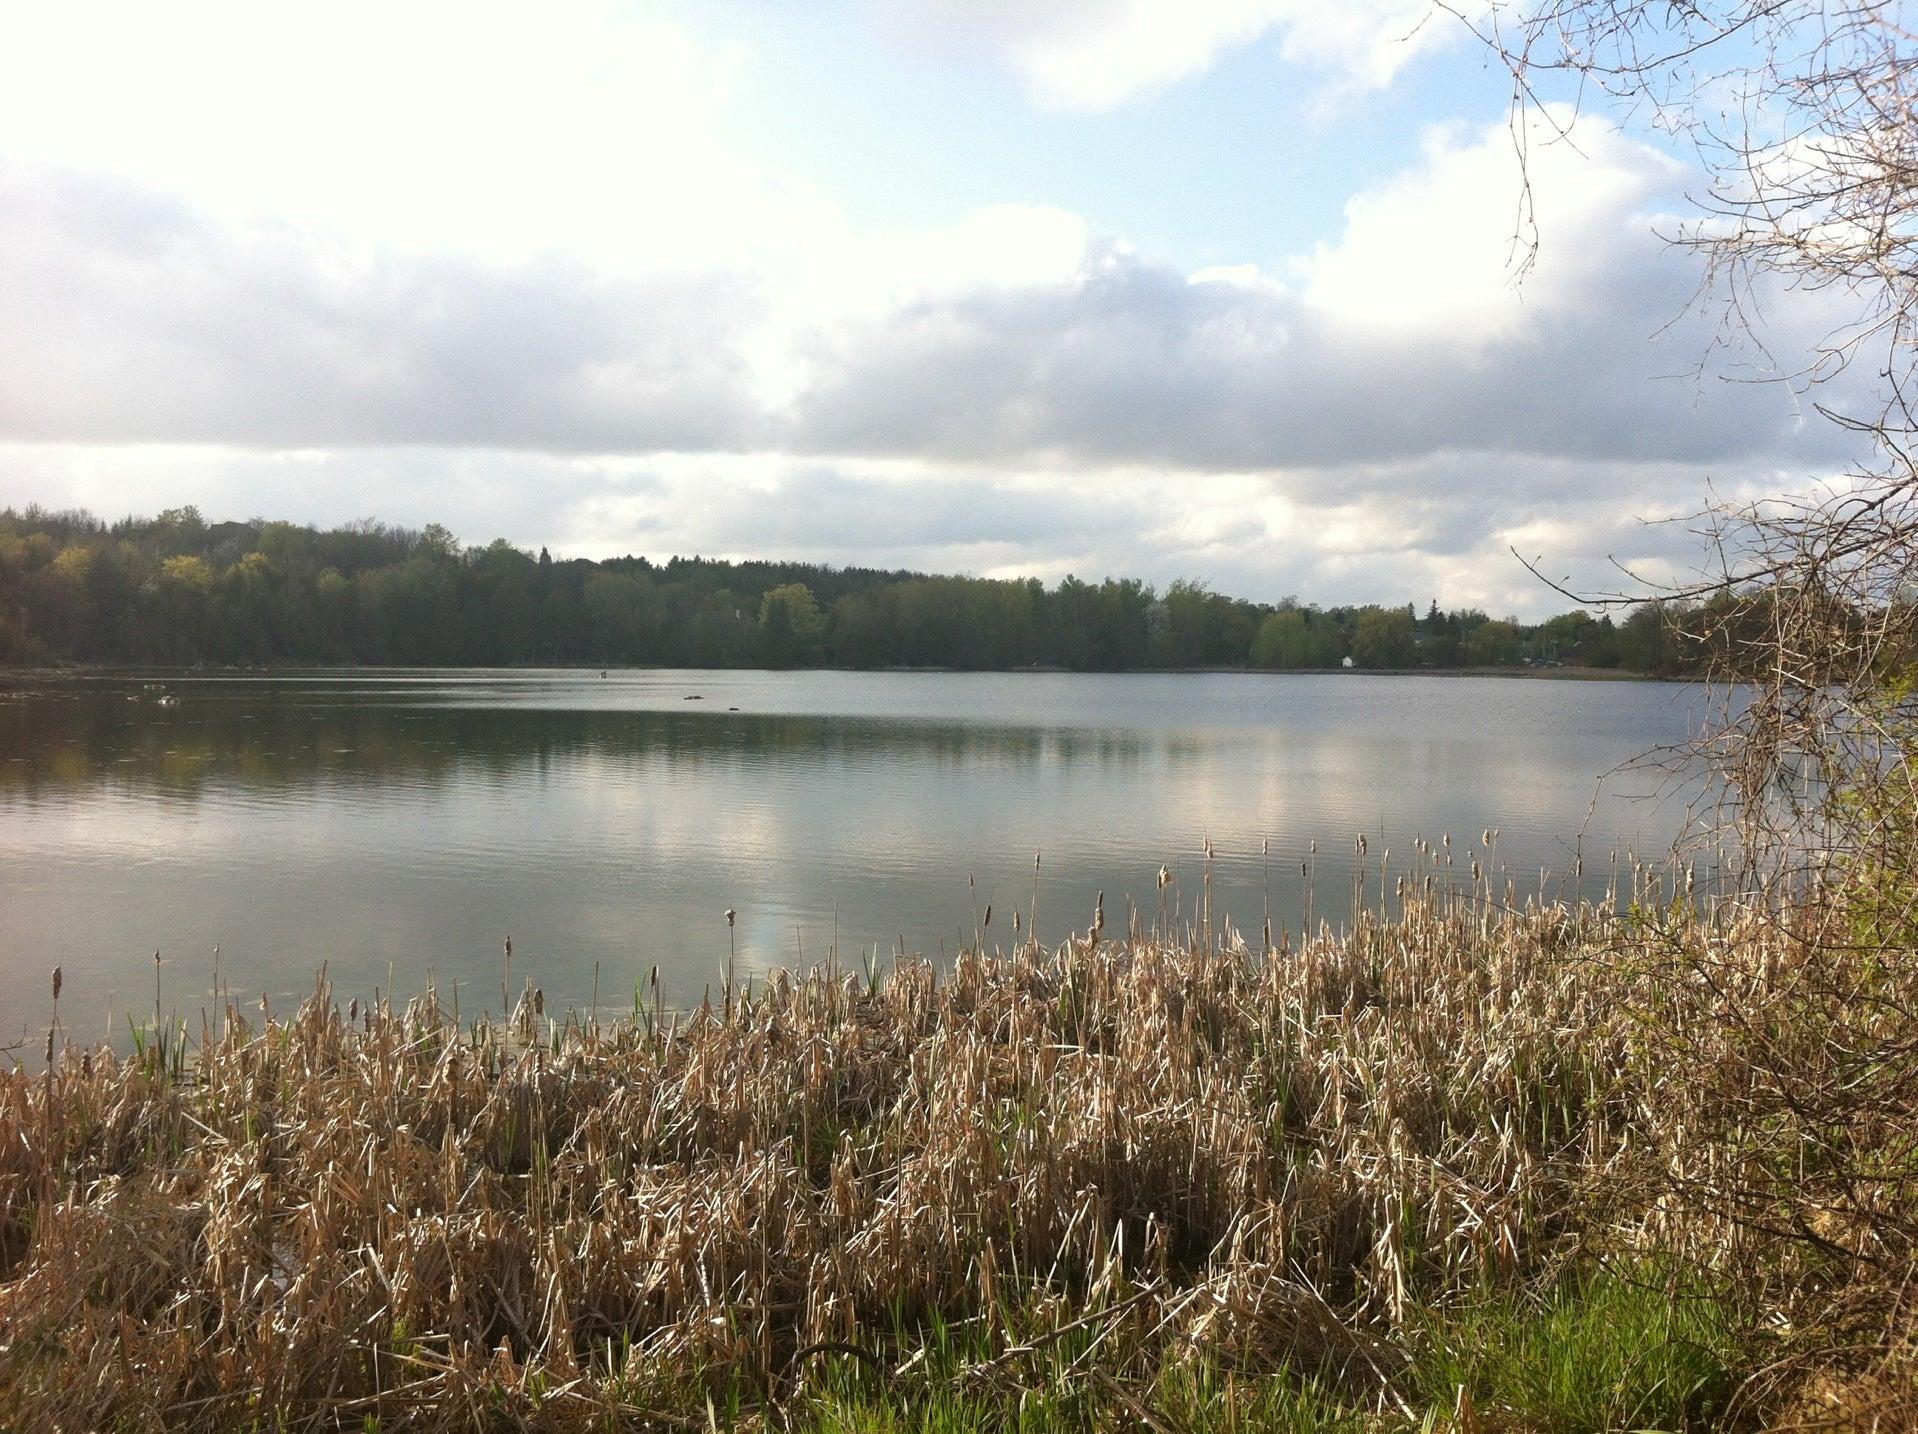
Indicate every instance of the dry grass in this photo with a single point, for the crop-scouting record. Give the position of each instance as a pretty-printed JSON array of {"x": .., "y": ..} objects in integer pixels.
[{"x": 1112, "y": 1161}]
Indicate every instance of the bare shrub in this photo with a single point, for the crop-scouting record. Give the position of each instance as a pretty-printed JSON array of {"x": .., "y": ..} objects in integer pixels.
[{"x": 1789, "y": 1056}]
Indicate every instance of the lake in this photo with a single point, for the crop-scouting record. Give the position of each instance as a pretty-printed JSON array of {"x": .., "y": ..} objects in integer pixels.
[{"x": 400, "y": 825}]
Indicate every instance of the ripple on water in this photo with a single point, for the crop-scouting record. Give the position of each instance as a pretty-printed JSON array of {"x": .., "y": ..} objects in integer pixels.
[{"x": 415, "y": 819}]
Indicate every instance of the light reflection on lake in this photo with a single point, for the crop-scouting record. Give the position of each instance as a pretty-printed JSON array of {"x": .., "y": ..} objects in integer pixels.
[{"x": 395, "y": 824}]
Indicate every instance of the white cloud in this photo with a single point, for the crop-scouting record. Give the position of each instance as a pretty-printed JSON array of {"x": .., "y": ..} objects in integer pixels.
[
  {"x": 1014, "y": 336},
  {"x": 1095, "y": 54},
  {"x": 1440, "y": 525},
  {"x": 1443, "y": 244},
  {"x": 1405, "y": 336},
  {"x": 501, "y": 130},
  {"x": 443, "y": 264}
]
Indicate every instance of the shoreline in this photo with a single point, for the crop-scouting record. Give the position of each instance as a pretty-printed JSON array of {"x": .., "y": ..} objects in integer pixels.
[
  {"x": 1114, "y": 1175},
  {"x": 294, "y": 670}
]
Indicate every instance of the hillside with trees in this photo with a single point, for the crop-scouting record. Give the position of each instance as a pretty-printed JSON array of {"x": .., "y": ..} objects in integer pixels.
[{"x": 177, "y": 589}]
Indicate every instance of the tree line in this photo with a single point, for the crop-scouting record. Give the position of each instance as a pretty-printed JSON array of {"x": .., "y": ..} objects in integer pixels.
[{"x": 177, "y": 589}]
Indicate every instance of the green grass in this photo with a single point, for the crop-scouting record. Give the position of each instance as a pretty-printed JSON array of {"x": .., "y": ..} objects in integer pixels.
[
  {"x": 1269, "y": 1406},
  {"x": 1604, "y": 1353},
  {"x": 1063, "y": 1398}
]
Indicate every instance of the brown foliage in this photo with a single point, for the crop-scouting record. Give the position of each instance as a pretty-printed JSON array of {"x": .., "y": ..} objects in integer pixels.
[{"x": 1216, "y": 1154}]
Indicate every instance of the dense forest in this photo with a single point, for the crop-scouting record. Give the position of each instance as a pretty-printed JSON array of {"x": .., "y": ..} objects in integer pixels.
[{"x": 176, "y": 589}]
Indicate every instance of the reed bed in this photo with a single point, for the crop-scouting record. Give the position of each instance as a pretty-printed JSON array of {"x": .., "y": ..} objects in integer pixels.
[{"x": 1106, "y": 1165}]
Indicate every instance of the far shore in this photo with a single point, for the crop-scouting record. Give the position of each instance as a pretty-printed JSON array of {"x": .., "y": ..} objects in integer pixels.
[{"x": 1549, "y": 673}]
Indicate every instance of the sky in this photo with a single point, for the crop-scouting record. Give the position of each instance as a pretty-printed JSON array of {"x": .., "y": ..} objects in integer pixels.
[{"x": 1216, "y": 289}]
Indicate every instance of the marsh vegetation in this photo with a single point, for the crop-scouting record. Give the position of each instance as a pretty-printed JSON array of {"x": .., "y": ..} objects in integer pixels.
[{"x": 1472, "y": 1163}]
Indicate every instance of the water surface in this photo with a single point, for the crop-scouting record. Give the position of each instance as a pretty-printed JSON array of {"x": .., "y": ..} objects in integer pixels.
[{"x": 396, "y": 825}]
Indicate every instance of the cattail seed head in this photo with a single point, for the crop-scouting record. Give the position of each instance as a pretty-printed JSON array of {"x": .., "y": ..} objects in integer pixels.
[{"x": 56, "y": 983}]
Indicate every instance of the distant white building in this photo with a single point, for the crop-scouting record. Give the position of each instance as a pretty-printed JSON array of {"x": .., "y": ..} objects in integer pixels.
[{"x": 1346, "y": 662}]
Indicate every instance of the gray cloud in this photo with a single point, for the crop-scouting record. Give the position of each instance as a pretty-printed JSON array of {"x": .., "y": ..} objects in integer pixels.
[
  {"x": 131, "y": 318},
  {"x": 820, "y": 510},
  {"x": 1128, "y": 362},
  {"x": 1116, "y": 420},
  {"x": 1431, "y": 527}
]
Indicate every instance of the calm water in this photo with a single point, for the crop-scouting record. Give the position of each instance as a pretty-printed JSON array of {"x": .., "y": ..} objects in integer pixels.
[{"x": 407, "y": 822}]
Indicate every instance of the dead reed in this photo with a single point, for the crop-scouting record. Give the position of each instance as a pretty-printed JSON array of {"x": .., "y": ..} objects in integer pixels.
[{"x": 1116, "y": 1157}]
